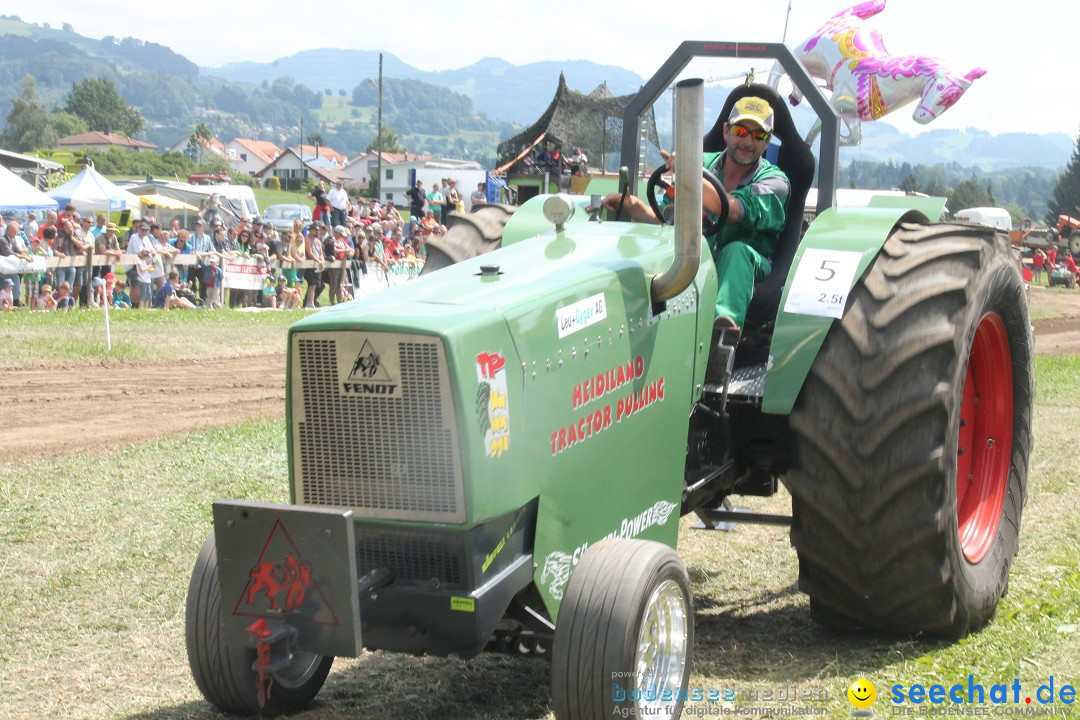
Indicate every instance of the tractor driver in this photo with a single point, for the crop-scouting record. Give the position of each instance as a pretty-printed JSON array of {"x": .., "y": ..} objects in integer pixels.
[{"x": 757, "y": 194}]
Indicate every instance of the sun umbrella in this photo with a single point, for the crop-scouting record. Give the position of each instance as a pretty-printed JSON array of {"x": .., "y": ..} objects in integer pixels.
[{"x": 166, "y": 202}]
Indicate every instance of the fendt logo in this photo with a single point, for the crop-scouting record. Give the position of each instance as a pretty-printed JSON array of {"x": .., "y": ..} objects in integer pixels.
[
  {"x": 369, "y": 375},
  {"x": 367, "y": 363}
]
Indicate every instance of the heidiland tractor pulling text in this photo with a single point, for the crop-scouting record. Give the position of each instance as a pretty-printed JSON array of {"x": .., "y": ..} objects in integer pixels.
[{"x": 495, "y": 456}]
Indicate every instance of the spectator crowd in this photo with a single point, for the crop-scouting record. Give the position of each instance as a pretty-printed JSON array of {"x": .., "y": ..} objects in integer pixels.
[
  {"x": 1059, "y": 266},
  {"x": 349, "y": 245}
]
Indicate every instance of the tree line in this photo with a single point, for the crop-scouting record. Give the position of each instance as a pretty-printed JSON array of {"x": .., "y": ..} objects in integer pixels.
[
  {"x": 1025, "y": 192},
  {"x": 93, "y": 104}
]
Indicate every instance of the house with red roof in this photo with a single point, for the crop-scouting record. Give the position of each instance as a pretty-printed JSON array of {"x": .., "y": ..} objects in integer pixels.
[
  {"x": 251, "y": 156},
  {"x": 207, "y": 148},
  {"x": 313, "y": 152},
  {"x": 292, "y": 169},
  {"x": 362, "y": 168}
]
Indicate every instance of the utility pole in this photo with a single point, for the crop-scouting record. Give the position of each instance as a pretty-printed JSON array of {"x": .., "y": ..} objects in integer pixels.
[{"x": 378, "y": 138}]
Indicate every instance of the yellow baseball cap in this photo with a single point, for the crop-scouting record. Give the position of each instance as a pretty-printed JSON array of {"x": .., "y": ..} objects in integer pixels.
[{"x": 755, "y": 109}]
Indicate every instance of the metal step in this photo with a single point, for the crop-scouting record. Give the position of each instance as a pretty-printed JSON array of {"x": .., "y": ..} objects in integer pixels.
[
  {"x": 745, "y": 382},
  {"x": 748, "y": 381}
]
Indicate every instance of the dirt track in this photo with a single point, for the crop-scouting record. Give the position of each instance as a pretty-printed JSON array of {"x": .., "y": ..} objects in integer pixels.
[
  {"x": 60, "y": 409},
  {"x": 56, "y": 409},
  {"x": 1056, "y": 335}
]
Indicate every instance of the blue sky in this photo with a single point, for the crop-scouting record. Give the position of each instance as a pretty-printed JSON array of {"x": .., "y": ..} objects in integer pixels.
[{"x": 1029, "y": 50}]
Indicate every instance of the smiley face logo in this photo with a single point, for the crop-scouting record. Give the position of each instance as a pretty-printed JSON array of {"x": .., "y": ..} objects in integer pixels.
[{"x": 862, "y": 693}]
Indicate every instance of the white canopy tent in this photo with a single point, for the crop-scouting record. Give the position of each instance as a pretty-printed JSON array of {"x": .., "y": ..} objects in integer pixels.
[
  {"x": 92, "y": 191},
  {"x": 17, "y": 194}
]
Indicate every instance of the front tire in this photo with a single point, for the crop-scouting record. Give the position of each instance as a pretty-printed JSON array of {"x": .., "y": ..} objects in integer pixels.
[
  {"x": 912, "y": 436},
  {"x": 222, "y": 672},
  {"x": 624, "y": 636}
]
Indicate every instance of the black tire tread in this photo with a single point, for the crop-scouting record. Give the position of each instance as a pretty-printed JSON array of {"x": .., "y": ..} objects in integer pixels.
[
  {"x": 468, "y": 235},
  {"x": 870, "y": 474}
]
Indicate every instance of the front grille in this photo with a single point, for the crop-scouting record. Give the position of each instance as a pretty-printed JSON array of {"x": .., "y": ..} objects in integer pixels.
[
  {"x": 409, "y": 555},
  {"x": 373, "y": 426}
]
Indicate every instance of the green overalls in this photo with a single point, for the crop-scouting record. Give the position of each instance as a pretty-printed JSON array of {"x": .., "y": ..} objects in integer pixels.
[{"x": 743, "y": 251}]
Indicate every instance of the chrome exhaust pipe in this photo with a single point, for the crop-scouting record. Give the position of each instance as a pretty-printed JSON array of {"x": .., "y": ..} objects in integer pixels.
[{"x": 689, "y": 130}]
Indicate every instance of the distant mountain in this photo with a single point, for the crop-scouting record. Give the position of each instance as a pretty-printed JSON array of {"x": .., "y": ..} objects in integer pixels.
[
  {"x": 514, "y": 93},
  {"x": 520, "y": 94},
  {"x": 319, "y": 70},
  {"x": 970, "y": 147},
  {"x": 59, "y": 57}
]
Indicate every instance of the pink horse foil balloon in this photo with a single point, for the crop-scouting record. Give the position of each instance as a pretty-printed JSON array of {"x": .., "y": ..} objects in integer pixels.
[{"x": 866, "y": 81}]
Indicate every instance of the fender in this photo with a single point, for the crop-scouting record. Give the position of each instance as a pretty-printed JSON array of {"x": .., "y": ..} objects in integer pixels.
[{"x": 798, "y": 337}]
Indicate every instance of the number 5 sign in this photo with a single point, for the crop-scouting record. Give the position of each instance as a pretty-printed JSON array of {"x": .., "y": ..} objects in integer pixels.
[{"x": 822, "y": 282}]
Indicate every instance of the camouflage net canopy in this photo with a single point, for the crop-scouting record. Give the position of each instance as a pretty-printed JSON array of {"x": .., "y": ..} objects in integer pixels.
[{"x": 593, "y": 122}]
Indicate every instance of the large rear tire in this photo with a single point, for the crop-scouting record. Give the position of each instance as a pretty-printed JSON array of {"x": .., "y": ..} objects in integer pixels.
[
  {"x": 624, "y": 636},
  {"x": 912, "y": 436},
  {"x": 224, "y": 673},
  {"x": 467, "y": 235}
]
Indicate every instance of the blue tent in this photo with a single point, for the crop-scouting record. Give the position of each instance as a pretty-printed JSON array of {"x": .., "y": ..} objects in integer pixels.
[{"x": 17, "y": 194}]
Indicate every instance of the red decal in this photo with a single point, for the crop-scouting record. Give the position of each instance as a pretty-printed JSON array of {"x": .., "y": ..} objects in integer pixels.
[
  {"x": 490, "y": 363},
  {"x": 281, "y": 582},
  {"x": 273, "y": 579},
  {"x": 259, "y": 632}
]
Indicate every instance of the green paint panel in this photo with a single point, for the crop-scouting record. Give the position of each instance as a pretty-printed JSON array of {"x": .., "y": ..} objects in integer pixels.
[
  {"x": 528, "y": 221},
  {"x": 931, "y": 207},
  {"x": 798, "y": 337}
]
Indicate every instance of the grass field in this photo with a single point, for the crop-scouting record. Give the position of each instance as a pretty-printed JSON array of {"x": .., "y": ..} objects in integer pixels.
[
  {"x": 336, "y": 109},
  {"x": 96, "y": 550},
  {"x": 139, "y": 335},
  {"x": 265, "y": 196}
]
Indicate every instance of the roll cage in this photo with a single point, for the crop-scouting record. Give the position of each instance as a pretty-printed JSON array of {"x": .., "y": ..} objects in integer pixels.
[{"x": 828, "y": 160}]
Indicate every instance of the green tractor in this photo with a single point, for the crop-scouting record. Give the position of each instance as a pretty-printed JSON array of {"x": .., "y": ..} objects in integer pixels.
[{"x": 495, "y": 457}]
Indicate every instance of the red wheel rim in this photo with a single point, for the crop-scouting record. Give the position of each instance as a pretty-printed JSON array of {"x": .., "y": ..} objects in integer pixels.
[{"x": 984, "y": 448}]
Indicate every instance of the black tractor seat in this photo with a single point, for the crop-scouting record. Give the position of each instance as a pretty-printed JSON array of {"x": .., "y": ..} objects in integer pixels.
[{"x": 797, "y": 162}]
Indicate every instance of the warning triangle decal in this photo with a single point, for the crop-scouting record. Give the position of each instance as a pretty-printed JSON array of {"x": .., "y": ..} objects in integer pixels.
[{"x": 282, "y": 584}]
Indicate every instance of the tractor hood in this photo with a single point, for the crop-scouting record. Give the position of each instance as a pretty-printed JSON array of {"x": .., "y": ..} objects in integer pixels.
[{"x": 548, "y": 271}]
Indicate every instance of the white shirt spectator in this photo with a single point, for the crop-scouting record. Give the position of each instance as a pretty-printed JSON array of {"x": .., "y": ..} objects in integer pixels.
[
  {"x": 138, "y": 243},
  {"x": 338, "y": 198}
]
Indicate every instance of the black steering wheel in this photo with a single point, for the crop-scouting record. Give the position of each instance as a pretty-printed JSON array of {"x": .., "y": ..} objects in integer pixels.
[{"x": 708, "y": 227}]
